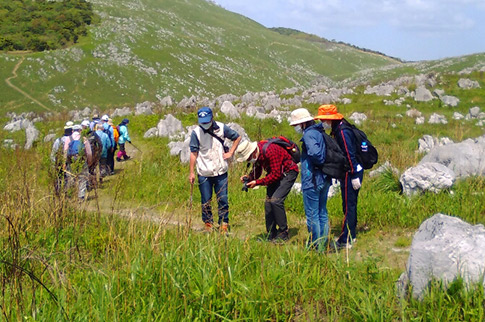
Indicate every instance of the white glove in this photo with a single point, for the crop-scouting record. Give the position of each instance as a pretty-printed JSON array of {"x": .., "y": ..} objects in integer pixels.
[{"x": 356, "y": 183}]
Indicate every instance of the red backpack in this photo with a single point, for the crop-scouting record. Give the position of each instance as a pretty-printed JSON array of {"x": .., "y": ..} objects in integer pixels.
[{"x": 287, "y": 144}]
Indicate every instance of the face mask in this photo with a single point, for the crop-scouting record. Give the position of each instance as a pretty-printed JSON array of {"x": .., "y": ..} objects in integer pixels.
[
  {"x": 327, "y": 125},
  {"x": 206, "y": 126},
  {"x": 298, "y": 129}
]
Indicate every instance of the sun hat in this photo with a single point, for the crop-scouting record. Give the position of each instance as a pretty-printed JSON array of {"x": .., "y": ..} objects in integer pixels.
[
  {"x": 204, "y": 115},
  {"x": 244, "y": 150},
  {"x": 328, "y": 112},
  {"x": 300, "y": 115},
  {"x": 85, "y": 123},
  {"x": 95, "y": 117},
  {"x": 68, "y": 125},
  {"x": 77, "y": 127},
  {"x": 105, "y": 117}
]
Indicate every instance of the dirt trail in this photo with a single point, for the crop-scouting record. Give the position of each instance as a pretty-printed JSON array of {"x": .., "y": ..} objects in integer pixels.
[{"x": 14, "y": 75}]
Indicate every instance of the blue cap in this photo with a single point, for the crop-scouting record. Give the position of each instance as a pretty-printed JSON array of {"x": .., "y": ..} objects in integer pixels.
[{"x": 204, "y": 114}]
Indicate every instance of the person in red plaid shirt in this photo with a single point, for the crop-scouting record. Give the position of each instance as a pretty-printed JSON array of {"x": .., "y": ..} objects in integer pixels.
[{"x": 281, "y": 173}]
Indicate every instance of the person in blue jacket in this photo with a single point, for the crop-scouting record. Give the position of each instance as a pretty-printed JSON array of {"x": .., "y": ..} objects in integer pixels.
[
  {"x": 314, "y": 183},
  {"x": 124, "y": 137},
  {"x": 106, "y": 143},
  {"x": 350, "y": 185}
]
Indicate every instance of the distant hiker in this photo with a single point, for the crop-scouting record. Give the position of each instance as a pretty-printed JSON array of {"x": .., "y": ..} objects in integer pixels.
[
  {"x": 314, "y": 183},
  {"x": 96, "y": 120},
  {"x": 208, "y": 153},
  {"x": 281, "y": 171},
  {"x": 78, "y": 156},
  {"x": 57, "y": 158},
  {"x": 351, "y": 183},
  {"x": 123, "y": 138},
  {"x": 96, "y": 149},
  {"x": 108, "y": 129},
  {"x": 105, "y": 146}
]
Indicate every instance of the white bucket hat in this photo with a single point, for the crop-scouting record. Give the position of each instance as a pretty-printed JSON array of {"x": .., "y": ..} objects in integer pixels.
[
  {"x": 105, "y": 118},
  {"x": 300, "y": 115},
  {"x": 244, "y": 150}
]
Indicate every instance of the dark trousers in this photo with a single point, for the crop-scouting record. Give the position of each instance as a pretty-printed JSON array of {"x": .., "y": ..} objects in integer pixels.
[
  {"x": 111, "y": 161},
  {"x": 349, "y": 207},
  {"x": 219, "y": 185},
  {"x": 274, "y": 205}
]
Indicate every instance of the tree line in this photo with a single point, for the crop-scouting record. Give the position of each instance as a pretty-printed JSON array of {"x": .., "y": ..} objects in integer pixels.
[{"x": 40, "y": 25}]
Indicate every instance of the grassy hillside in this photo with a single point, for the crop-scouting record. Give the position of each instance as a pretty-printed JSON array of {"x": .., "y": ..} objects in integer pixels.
[
  {"x": 145, "y": 48},
  {"x": 135, "y": 251}
]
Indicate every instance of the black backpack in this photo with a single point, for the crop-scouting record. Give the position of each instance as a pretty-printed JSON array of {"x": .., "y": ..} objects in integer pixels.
[
  {"x": 366, "y": 152},
  {"x": 287, "y": 144},
  {"x": 336, "y": 164}
]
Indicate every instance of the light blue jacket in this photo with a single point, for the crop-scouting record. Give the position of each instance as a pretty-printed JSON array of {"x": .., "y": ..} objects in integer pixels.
[
  {"x": 105, "y": 141},
  {"x": 124, "y": 136}
]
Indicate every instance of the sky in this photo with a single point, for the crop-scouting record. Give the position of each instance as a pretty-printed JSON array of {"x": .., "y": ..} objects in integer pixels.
[{"x": 411, "y": 30}]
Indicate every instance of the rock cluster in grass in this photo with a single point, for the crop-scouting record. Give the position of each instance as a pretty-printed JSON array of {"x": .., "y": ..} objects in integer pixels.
[
  {"x": 427, "y": 176},
  {"x": 444, "y": 248},
  {"x": 428, "y": 142}
]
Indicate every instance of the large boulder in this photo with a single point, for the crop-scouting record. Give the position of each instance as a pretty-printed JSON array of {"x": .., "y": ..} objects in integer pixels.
[
  {"x": 436, "y": 118},
  {"x": 144, "y": 108},
  {"x": 380, "y": 90},
  {"x": 167, "y": 101},
  {"x": 467, "y": 83},
  {"x": 230, "y": 110},
  {"x": 444, "y": 248},
  {"x": 423, "y": 94},
  {"x": 429, "y": 176},
  {"x": 31, "y": 135},
  {"x": 428, "y": 142},
  {"x": 465, "y": 158},
  {"x": 449, "y": 100},
  {"x": 120, "y": 112},
  {"x": 17, "y": 125},
  {"x": 169, "y": 126},
  {"x": 358, "y": 118}
]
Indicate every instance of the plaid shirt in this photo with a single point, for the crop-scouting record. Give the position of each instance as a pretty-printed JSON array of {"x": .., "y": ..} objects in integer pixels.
[{"x": 276, "y": 161}]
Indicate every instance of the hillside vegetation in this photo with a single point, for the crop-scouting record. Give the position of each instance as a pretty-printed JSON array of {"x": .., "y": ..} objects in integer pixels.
[
  {"x": 135, "y": 251},
  {"x": 42, "y": 25},
  {"x": 146, "y": 49}
]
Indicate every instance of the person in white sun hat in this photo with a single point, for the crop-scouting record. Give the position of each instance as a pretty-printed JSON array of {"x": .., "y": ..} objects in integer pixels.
[{"x": 314, "y": 182}]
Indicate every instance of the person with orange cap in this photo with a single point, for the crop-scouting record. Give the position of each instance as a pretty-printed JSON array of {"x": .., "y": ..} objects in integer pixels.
[{"x": 350, "y": 185}]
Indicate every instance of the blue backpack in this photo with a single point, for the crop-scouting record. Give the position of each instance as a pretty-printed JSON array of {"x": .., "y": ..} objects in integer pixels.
[{"x": 74, "y": 149}]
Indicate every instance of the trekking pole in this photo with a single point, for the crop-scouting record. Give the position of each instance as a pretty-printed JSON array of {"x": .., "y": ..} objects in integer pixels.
[
  {"x": 136, "y": 147},
  {"x": 191, "y": 196}
]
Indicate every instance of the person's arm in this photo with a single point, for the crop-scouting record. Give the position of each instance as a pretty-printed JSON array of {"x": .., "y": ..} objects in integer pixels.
[
  {"x": 348, "y": 141},
  {"x": 194, "y": 153},
  {"x": 233, "y": 136},
  {"x": 275, "y": 155},
  {"x": 127, "y": 135},
  {"x": 89, "y": 152},
  {"x": 315, "y": 146}
]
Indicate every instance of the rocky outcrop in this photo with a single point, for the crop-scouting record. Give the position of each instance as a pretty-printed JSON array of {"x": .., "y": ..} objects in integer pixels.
[
  {"x": 444, "y": 248},
  {"x": 427, "y": 176}
]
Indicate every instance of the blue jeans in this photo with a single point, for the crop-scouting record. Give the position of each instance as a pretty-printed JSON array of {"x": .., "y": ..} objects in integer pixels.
[
  {"x": 315, "y": 204},
  {"x": 219, "y": 185}
]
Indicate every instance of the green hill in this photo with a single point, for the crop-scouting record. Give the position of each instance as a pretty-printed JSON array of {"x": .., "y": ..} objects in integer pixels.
[{"x": 141, "y": 50}]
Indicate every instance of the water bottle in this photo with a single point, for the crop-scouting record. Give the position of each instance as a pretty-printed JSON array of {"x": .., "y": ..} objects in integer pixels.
[{"x": 363, "y": 146}]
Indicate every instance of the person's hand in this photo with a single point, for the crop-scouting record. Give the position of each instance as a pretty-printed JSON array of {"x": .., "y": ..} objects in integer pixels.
[
  {"x": 251, "y": 184},
  {"x": 227, "y": 155},
  {"x": 192, "y": 178},
  {"x": 243, "y": 178},
  {"x": 356, "y": 183}
]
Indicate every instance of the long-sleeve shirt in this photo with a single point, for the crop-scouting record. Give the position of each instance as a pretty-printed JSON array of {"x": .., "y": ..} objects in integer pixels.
[
  {"x": 312, "y": 157},
  {"x": 276, "y": 161},
  {"x": 111, "y": 136},
  {"x": 124, "y": 136},
  {"x": 105, "y": 141},
  {"x": 346, "y": 140}
]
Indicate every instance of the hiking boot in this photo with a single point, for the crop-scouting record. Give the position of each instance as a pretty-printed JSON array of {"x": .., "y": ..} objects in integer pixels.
[
  {"x": 208, "y": 227},
  {"x": 281, "y": 237},
  {"x": 224, "y": 228},
  {"x": 340, "y": 245},
  {"x": 118, "y": 159},
  {"x": 126, "y": 157}
]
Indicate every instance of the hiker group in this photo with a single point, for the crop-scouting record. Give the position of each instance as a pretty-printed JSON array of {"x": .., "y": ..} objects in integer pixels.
[
  {"x": 85, "y": 154},
  {"x": 342, "y": 155}
]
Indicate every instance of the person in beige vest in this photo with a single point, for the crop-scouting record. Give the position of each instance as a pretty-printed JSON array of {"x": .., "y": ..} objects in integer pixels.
[{"x": 210, "y": 156}]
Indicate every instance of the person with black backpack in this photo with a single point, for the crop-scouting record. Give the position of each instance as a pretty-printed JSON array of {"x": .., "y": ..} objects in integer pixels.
[
  {"x": 78, "y": 157},
  {"x": 314, "y": 182},
  {"x": 350, "y": 184},
  {"x": 281, "y": 167}
]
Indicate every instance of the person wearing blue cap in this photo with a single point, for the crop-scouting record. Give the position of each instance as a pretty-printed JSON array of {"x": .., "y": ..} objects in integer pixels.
[{"x": 209, "y": 154}]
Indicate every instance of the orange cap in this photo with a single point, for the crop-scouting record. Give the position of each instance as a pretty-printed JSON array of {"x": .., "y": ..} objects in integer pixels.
[{"x": 328, "y": 112}]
